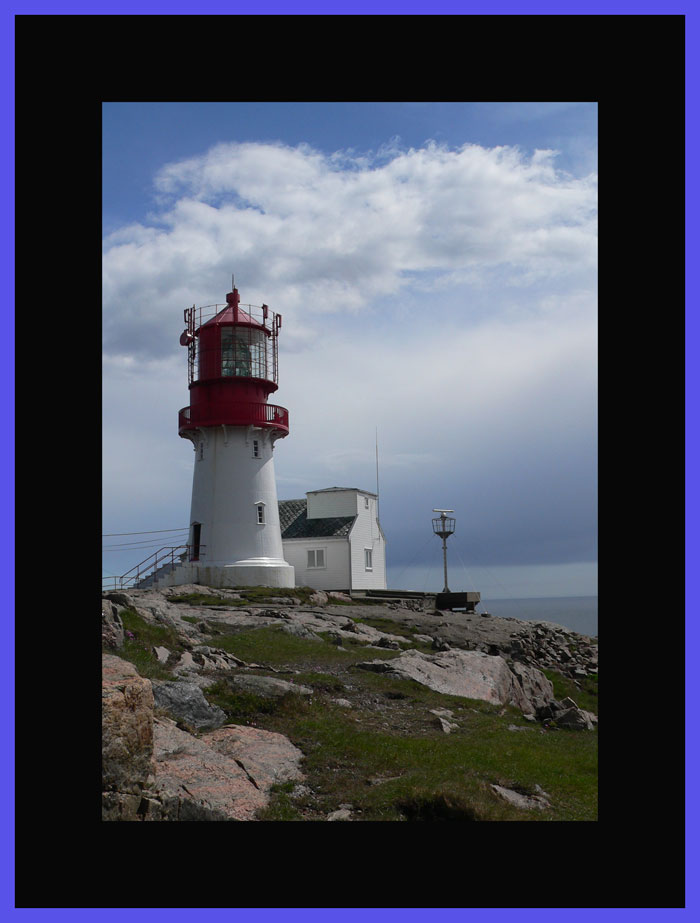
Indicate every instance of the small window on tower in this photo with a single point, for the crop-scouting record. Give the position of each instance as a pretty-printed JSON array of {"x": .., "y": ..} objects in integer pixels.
[
  {"x": 366, "y": 503},
  {"x": 256, "y": 448},
  {"x": 200, "y": 453},
  {"x": 368, "y": 559},
  {"x": 261, "y": 513}
]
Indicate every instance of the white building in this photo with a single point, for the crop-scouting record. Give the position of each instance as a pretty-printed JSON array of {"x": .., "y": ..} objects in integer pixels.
[{"x": 333, "y": 539}]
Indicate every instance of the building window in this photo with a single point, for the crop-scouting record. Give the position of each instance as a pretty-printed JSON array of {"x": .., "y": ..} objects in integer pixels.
[
  {"x": 366, "y": 503},
  {"x": 260, "y": 509},
  {"x": 368, "y": 559},
  {"x": 315, "y": 558},
  {"x": 201, "y": 451},
  {"x": 256, "y": 448}
]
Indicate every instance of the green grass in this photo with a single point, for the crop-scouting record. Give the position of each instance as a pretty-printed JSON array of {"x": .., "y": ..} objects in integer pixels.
[
  {"x": 390, "y": 627},
  {"x": 204, "y": 599},
  {"x": 585, "y": 695},
  {"x": 139, "y": 648},
  {"x": 434, "y": 773},
  {"x": 273, "y": 645},
  {"x": 247, "y": 708}
]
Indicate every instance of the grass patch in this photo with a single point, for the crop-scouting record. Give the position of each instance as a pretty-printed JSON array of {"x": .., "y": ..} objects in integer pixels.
[
  {"x": 586, "y": 696},
  {"x": 140, "y": 639},
  {"x": 443, "y": 777},
  {"x": 248, "y": 708},
  {"x": 390, "y": 627},
  {"x": 202, "y": 599},
  {"x": 448, "y": 777},
  {"x": 273, "y": 645},
  {"x": 258, "y": 593}
]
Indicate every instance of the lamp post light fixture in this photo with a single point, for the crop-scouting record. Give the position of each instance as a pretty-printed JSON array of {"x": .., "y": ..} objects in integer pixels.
[{"x": 444, "y": 526}]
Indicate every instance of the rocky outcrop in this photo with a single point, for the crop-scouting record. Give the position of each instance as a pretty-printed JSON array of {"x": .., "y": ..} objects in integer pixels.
[
  {"x": 112, "y": 625},
  {"x": 156, "y": 771},
  {"x": 127, "y": 738},
  {"x": 471, "y": 674},
  {"x": 224, "y": 775}
]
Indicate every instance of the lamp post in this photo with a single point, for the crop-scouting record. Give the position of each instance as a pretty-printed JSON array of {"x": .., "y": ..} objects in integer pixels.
[{"x": 444, "y": 526}]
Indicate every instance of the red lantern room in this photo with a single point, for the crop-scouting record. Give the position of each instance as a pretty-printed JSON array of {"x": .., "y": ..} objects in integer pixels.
[{"x": 232, "y": 360}]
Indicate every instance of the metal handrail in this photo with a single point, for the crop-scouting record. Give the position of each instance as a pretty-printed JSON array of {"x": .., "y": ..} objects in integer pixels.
[{"x": 150, "y": 564}]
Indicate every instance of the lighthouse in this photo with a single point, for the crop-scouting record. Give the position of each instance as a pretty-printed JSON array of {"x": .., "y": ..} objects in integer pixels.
[{"x": 234, "y": 537}]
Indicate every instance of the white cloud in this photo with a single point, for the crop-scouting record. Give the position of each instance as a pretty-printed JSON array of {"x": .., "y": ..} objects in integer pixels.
[{"x": 312, "y": 238}]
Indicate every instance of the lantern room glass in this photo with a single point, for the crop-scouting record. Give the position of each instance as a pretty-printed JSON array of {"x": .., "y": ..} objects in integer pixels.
[{"x": 243, "y": 353}]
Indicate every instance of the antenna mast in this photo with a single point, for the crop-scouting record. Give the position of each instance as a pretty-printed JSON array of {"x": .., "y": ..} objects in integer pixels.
[{"x": 376, "y": 452}]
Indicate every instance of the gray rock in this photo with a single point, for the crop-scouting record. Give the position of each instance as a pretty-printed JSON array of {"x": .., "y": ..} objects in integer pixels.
[
  {"x": 299, "y": 630},
  {"x": 535, "y": 685},
  {"x": 471, "y": 674},
  {"x": 446, "y": 726},
  {"x": 343, "y": 814},
  {"x": 112, "y": 625},
  {"x": 575, "y": 718},
  {"x": 388, "y": 644},
  {"x": 186, "y": 702},
  {"x": 267, "y": 686},
  {"x": 528, "y": 802}
]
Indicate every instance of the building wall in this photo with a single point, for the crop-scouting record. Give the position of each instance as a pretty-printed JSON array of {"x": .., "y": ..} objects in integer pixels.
[
  {"x": 336, "y": 573},
  {"x": 366, "y": 534},
  {"x": 324, "y": 504}
]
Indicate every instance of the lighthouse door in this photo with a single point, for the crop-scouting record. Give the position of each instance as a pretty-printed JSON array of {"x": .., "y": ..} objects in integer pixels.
[{"x": 196, "y": 533}]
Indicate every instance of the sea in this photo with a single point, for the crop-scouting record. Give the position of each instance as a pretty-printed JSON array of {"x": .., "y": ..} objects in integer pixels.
[{"x": 579, "y": 613}]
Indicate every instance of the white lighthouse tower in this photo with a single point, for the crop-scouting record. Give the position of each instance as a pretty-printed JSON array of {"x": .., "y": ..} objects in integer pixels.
[{"x": 235, "y": 537}]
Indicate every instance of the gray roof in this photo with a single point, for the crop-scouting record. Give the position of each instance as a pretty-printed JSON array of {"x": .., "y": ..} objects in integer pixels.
[{"x": 294, "y": 524}]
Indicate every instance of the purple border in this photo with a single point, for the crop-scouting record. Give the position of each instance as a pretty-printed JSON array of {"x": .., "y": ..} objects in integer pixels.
[
  {"x": 357, "y": 7},
  {"x": 353, "y": 7}
]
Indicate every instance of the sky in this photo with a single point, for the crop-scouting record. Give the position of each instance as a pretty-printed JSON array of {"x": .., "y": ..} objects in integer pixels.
[{"x": 435, "y": 265}]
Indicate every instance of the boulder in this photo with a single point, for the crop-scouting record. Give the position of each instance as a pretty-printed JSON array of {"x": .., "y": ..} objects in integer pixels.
[
  {"x": 575, "y": 718},
  {"x": 342, "y": 814},
  {"x": 471, "y": 674},
  {"x": 539, "y": 800},
  {"x": 127, "y": 738},
  {"x": 537, "y": 688},
  {"x": 186, "y": 702},
  {"x": 268, "y": 686},
  {"x": 215, "y": 778}
]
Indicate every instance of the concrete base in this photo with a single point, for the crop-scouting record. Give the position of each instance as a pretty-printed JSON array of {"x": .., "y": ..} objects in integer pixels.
[
  {"x": 253, "y": 572},
  {"x": 465, "y": 601}
]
